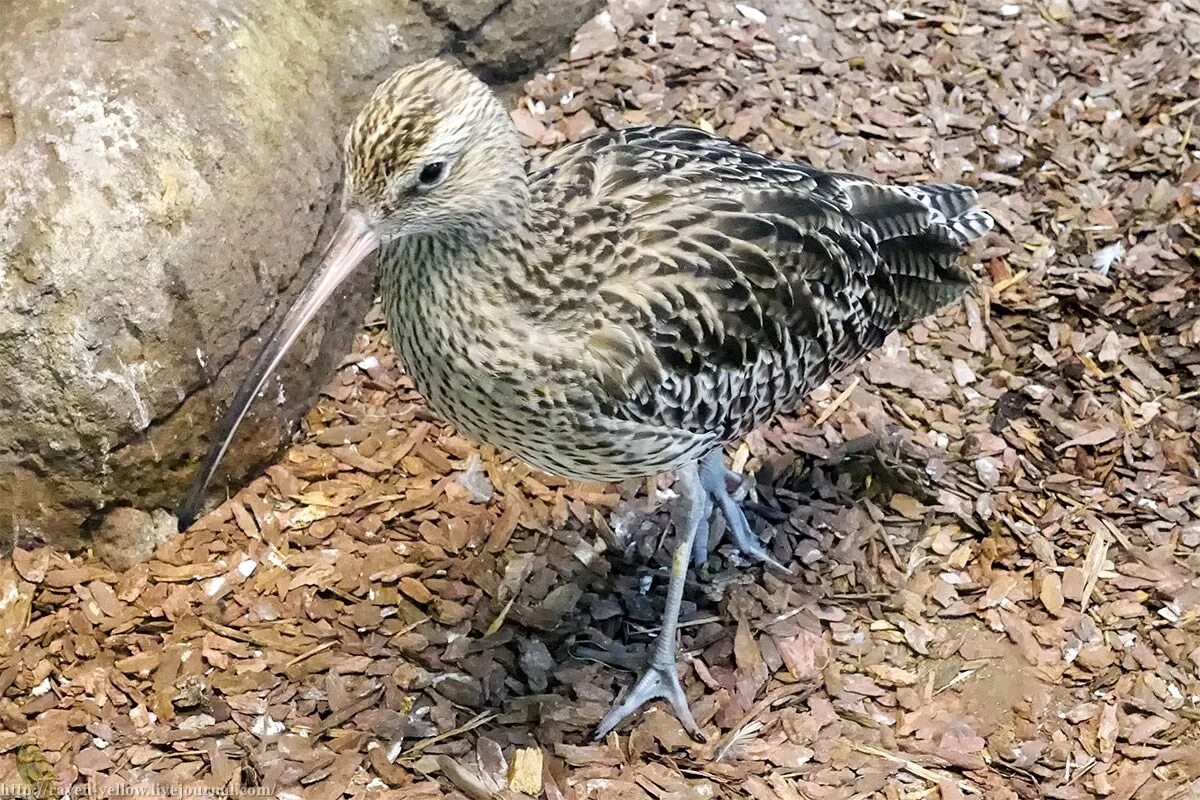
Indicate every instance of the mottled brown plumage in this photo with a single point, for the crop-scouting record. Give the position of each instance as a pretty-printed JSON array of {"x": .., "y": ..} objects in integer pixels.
[
  {"x": 632, "y": 303},
  {"x": 664, "y": 291}
]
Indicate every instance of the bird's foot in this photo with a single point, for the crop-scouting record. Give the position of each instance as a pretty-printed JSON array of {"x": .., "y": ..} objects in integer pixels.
[
  {"x": 744, "y": 484},
  {"x": 745, "y": 540},
  {"x": 659, "y": 681},
  {"x": 715, "y": 479}
]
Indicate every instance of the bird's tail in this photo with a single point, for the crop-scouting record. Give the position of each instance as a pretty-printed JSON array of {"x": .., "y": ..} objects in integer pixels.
[
  {"x": 954, "y": 208},
  {"x": 922, "y": 231}
]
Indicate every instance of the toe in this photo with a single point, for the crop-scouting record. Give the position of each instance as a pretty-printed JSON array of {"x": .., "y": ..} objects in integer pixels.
[
  {"x": 742, "y": 484},
  {"x": 657, "y": 682}
]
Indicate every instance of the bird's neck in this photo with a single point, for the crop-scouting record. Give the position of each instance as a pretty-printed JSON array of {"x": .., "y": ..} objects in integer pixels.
[
  {"x": 472, "y": 251},
  {"x": 450, "y": 307},
  {"x": 446, "y": 277}
]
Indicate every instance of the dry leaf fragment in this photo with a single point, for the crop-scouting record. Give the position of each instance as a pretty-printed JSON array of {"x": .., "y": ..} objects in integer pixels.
[
  {"x": 36, "y": 770},
  {"x": 31, "y": 564},
  {"x": 527, "y": 124},
  {"x": 907, "y": 375},
  {"x": 1073, "y": 581},
  {"x": 748, "y": 655},
  {"x": 1097, "y": 554},
  {"x": 1089, "y": 439},
  {"x": 468, "y": 781},
  {"x": 888, "y": 675},
  {"x": 917, "y": 636},
  {"x": 1147, "y": 728},
  {"x": 525, "y": 773},
  {"x": 317, "y": 574},
  {"x": 907, "y": 506},
  {"x": 804, "y": 654},
  {"x": 1051, "y": 593},
  {"x": 415, "y": 590},
  {"x": 597, "y": 36},
  {"x": 16, "y": 597},
  {"x": 506, "y": 526},
  {"x": 1106, "y": 732}
]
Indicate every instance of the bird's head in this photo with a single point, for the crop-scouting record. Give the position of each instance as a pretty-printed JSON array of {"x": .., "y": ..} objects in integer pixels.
[{"x": 433, "y": 153}]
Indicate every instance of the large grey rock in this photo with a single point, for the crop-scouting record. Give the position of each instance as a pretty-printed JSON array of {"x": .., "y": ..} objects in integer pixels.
[
  {"x": 463, "y": 15},
  {"x": 163, "y": 193},
  {"x": 511, "y": 36}
]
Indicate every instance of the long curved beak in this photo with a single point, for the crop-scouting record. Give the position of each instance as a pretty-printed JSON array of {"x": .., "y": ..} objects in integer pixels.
[{"x": 353, "y": 242}]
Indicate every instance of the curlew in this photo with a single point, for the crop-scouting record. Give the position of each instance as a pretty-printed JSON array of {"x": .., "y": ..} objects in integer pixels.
[{"x": 623, "y": 308}]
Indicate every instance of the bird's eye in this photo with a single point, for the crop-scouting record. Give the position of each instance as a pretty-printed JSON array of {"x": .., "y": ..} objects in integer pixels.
[{"x": 432, "y": 173}]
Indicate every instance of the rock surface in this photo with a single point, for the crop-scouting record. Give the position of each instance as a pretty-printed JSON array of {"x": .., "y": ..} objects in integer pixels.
[
  {"x": 512, "y": 36},
  {"x": 129, "y": 535},
  {"x": 163, "y": 194}
]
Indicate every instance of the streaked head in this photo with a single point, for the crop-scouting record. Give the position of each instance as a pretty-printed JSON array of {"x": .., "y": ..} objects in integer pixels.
[{"x": 432, "y": 153}]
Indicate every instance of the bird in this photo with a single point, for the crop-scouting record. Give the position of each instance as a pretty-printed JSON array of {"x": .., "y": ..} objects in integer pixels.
[{"x": 623, "y": 307}]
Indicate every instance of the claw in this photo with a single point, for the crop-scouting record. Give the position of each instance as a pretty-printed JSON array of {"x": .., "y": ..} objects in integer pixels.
[
  {"x": 659, "y": 681},
  {"x": 744, "y": 538},
  {"x": 715, "y": 478}
]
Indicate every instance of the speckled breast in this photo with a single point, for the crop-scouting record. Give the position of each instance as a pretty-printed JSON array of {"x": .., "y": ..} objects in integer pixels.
[{"x": 473, "y": 374}]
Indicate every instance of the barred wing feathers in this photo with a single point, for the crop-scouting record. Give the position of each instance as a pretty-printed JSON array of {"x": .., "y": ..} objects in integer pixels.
[{"x": 725, "y": 285}]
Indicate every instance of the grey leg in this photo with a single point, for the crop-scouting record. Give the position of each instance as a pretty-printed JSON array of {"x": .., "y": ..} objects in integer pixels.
[
  {"x": 700, "y": 547},
  {"x": 660, "y": 679},
  {"x": 714, "y": 477}
]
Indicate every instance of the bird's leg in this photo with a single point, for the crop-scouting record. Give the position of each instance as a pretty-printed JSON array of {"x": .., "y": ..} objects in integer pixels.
[
  {"x": 700, "y": 546},
  {"x": 660, "y": 679},
  {"x": 714, "y": 477}
]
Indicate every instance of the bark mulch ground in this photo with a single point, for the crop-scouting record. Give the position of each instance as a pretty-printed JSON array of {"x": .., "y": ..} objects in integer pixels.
[{"x": 994, "y": 523}]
